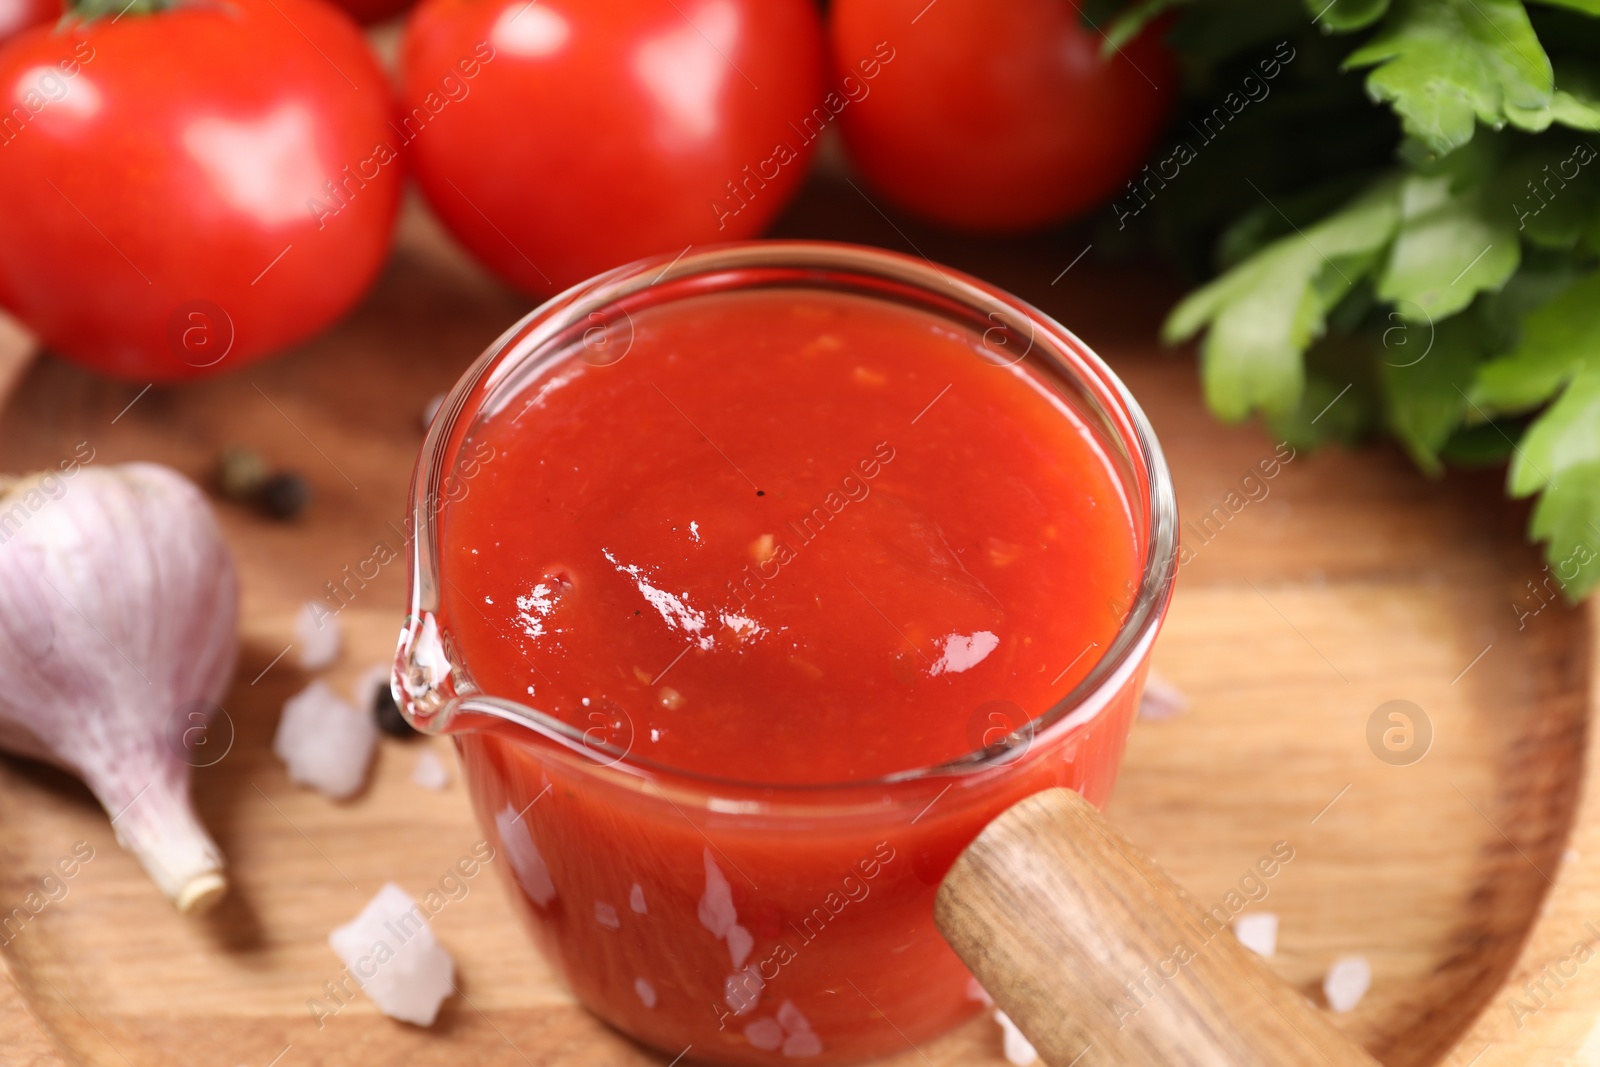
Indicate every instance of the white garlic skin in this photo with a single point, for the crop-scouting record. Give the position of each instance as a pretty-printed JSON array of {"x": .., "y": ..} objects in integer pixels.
[{"x": 118, "y": 619}]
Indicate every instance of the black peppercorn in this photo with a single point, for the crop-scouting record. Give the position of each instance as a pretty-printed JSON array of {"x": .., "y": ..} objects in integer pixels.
[
  {"x": 240, "y": 473},
  {"x": 285, "y": 495},
  {"x": 387, "y": 712}
]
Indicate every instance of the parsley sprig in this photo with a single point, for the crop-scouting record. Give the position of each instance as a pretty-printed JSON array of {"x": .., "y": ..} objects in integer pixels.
[{"x": 1408, "y": 232}]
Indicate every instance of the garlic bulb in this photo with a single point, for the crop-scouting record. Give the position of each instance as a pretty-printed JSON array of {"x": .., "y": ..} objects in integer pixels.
[{"x": 118, "y": 634}]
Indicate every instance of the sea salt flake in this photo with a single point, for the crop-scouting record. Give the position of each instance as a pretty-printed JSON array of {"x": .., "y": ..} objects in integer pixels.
[
  {"x": 646, "y": 991},
  {"x": 1019, "y": 1050},
  {"x": 429, "y": 771},
  {"x": 1258, "y": 932},
  {"x": 1161, "y": 699},
  {"x": 430, "y": 409},
  {"x": 391, "y": 952},
  {"x": 636, "y": 900},
  {"x": 324, "y": 742},
  {"x": 1347, "y": 982},
  {"x": 606, "y": 915},
  {"x": 316, "y": 633}
]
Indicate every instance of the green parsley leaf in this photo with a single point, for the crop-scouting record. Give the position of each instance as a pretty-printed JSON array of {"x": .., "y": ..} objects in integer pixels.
[
  {"x": 1126, "y": 26},
  {"x": 1451, "y": 244},
  {"x": 1559, "y": 338},
  {"x": 1427, "y": 370},
  {"x": 1575, "y": 102},
  {"x": 1587, "y": 7},
  {"x": 1340, "y": 402},
  {"x": 1487, "y": 444},
  {"x": 1264, "y": 312},
  {"x": 1551, "y": 189},
  {"x": 1541, "y": 278},
  {"x": 1560, "y": 453},
  {"x": 1342, "y": 16},
  {"x": 1446, "y": 64},
  {"x": 1565, "y": 436},
  {"x": 1567, "y": 518}
]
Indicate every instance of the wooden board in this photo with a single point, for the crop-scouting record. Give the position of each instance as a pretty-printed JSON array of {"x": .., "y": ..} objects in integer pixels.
[{"x": 1346, "y": 581}]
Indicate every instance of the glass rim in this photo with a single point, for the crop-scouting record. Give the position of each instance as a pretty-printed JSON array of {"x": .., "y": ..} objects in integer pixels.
[{"x": 425, "y": 665}]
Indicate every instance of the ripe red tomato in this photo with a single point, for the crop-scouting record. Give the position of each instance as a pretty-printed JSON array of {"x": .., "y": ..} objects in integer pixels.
[
  {"x": 367, "y": 12},
  {"x": 19, "y": 15},
  {"x": 997, "y": 117},
  {"x": 189, "y": 190},
  {"x": 562, "y": 138}
]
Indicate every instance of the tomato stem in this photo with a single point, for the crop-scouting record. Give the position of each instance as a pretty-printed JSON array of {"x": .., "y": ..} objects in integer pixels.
[{"x": 86, "y": 10}]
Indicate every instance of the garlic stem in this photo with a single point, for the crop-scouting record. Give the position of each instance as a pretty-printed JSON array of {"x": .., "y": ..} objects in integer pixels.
[{"x": 159, "y": 826}]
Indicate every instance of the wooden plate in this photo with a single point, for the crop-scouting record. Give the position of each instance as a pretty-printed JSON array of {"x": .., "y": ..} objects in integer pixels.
[{"x": 1309, "y": 599}]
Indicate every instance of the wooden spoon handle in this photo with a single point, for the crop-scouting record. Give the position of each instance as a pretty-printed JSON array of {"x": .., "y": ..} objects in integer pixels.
[{"x": 1085, "y": 943}]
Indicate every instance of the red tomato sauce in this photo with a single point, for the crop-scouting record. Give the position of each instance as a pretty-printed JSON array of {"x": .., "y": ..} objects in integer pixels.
[
  {"x": 788, "y": 542},
  {"x": 788, "y": 538}
]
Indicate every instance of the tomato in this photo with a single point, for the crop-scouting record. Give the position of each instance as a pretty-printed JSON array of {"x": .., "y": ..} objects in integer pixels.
[
  {"x": 997, "y": 117},
  {"x": 371, "y": 11},
  {"x": 192, "y": 189},
  {"x": 562, "y": 138},
  {"x": 19, "y": 15}
]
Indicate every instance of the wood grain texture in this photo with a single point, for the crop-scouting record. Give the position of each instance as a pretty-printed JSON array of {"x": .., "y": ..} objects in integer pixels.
[
  {"x": 1090, "y": 947},
  {"x": 24, "y": 1041},
  {"x": 1548, "y": 1011},
  {"x": 1345, "y": 581}
]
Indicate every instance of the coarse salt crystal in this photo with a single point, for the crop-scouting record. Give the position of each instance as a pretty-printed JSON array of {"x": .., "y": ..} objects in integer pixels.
[
  {"x": 1258, "y": 932},
  {"x": 324, "y": 742},
  {"x": 431, "y": 409},
  {"x": 1347, "y": 982},
  {"x": 316, "y": 632},
  {"x": 391, "y": 952},
  {"x": 429, "y": 771},
  {"x": 1161, "y": 699},
  {"x": 1019, "y": 1050},
  {"x": 646, "y": 991}
]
